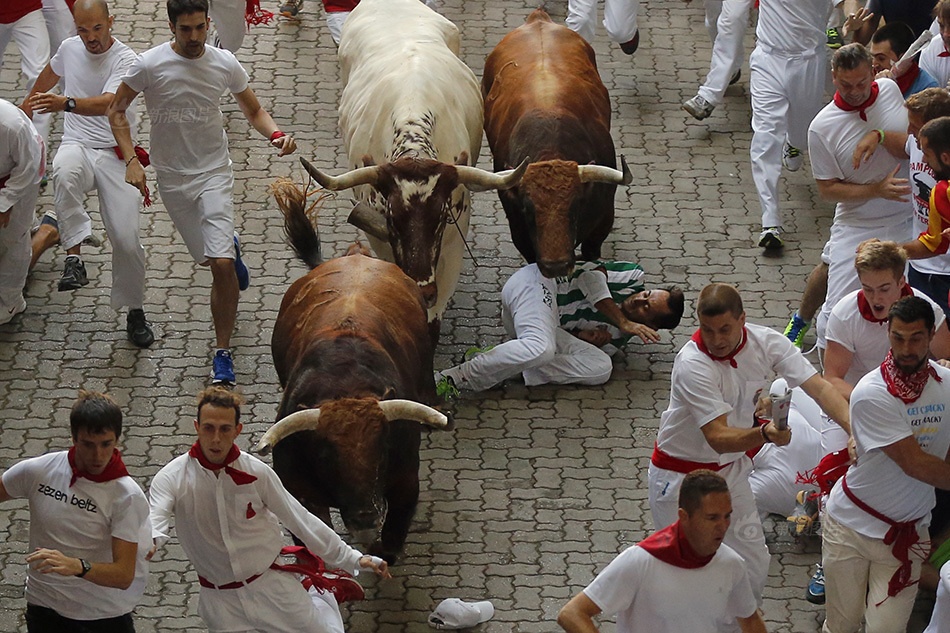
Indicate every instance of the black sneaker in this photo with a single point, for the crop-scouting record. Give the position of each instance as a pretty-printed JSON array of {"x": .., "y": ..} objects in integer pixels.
[
  {"x": 74, "y": 274},
  {"x": 631, "y": 47},
  {"x": 138, "y": 329}
]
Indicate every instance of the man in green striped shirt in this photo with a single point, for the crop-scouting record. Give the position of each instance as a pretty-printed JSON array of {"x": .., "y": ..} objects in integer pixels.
[{"x": 566, "y": 329}]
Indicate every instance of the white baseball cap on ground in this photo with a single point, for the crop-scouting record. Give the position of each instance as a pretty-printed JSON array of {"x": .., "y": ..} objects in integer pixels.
[{"x": 453, "y": 613}]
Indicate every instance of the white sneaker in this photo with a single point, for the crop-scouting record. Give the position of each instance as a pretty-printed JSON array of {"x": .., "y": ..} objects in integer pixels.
[
  {"x": 7, "y": 315},
  {"x": 792, "y": 157},
  {"x": 698, "y": 107}
]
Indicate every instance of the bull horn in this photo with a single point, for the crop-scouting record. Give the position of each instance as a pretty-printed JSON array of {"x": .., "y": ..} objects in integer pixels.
[
  {"x": 352, "y": 178},
  {"x": 306, "y": 420},
  {"x": 599, "y": 173},
  {"x": 476, "y": 179},
  {"x": 365, "y": 217},
  {"x": 411, "y": 410}
]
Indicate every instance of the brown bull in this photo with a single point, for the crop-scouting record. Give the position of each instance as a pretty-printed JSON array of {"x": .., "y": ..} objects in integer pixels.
[
  {"x": 544, "y": 99},
  {"x": 350, "y": 339}
]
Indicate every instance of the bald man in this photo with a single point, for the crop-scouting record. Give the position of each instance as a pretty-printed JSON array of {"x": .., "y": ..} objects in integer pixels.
[{"x": 92, "y": 65}]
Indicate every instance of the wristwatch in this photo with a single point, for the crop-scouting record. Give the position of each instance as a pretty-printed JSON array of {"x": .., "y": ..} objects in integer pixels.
[
  {"x": 86, "y": 566},
  {"x": 70, "y": 104}
]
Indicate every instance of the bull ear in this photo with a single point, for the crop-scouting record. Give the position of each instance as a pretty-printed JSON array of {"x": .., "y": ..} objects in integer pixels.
[
  {"x": 365, "y": 217},
  {"x": 411, "y": 410},
  {"x": 388, "y": 393},
  {"x": 462, "y": 159},
  {"x": 368, "y": 161}
]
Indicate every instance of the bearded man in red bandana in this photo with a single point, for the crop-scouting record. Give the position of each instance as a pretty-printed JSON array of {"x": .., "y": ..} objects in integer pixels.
[
  {"x": 874, "y": 535},
  {"x": 88, "y": 520}
]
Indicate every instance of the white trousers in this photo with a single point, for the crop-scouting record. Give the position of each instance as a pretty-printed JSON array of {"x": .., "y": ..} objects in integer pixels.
[
  {"x": 857, "y": 571},
  {"x": 787, "y": 93},
  {"x": 745, "y": 533},
  {"x": 774, "y": 480},
  {"x": 59, "y": 23},
  {"x": 839, "y": 254},
  {"x": 229, "y": 22},
  {"x": 15, "y": 250},
  {"x": 940, "y": 620},
  {"x": 541, "y": 350},
  {"x": 31, "y": 37},
  {"x": 202, "y": 210},
  {"x": 726, "y": 28},
  {"x": 276, "y": 603},
  {"x": 335, "y": 20},
  {"x": 620, "y": 18},
  {"x": 76, "y": 171}
]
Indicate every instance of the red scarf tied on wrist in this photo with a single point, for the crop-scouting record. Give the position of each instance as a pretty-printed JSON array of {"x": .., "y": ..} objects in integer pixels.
[
  {"x": 730, "y": 358},
  {"x": 239, "y": 476},
  {"x": 865, "y": 308},
  {"x": 114, "y": 469},
  {"x": 900, "y": 385},
  {"x": 847, "y": 107},
  {"x": 671, "y": 546}
]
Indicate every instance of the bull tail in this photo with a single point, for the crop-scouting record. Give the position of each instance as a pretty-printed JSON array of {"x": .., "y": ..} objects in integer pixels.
[{"x": 300, "y": 222}]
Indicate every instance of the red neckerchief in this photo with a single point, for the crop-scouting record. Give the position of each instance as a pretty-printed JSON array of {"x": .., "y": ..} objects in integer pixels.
[
  {"x": 731, "y": 358},
  {"x": 254, "y": 14},
  {"x": 114, "y": 469},
  {"x": 944, "y": 52},
  {"x": 900, "y": 385},
  {"x": 847, "y": 107},
  {"x": 671, "y": 546},
  {"x": 905, "y": 81},
  {"x": 865, "y": 308},
  {"x": 239, "y": 476}
]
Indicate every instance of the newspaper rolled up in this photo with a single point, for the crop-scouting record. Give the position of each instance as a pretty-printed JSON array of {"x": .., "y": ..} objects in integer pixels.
[{"x": 901, "y": 65}]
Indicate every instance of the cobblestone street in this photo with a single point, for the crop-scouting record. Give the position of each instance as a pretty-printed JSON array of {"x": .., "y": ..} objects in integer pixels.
[{"x": 533, "y": 491}]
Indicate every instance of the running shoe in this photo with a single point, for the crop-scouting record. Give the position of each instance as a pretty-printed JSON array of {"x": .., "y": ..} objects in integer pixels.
[
  {"x": 796, "y": 329},
  {"x": 771, "y": 238},
  {"x": 698, "y": 107},
  {"x": 74, "y": 274},
  {"x": 792, "y": 157},
  {"x": 223, "y": 369},
  {"x": 816, "y": 587}
]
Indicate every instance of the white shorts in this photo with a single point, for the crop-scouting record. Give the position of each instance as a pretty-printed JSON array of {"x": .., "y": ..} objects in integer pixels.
[{"x": 200, "y": 205}]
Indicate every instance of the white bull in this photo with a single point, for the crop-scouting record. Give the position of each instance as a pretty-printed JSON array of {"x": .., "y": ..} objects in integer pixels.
[{"x": 410, "y": 104}]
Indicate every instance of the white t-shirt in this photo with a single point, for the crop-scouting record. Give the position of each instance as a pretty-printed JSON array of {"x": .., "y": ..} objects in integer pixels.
[
  {"x": 922, "y": 182},
  {"x": 930, "y": 60},
  {"x": 22, "y": 155},
  {"x": 87, "y": 75},
  {"x": 794, "y": 27},
  {"x": 867, "y": 341},
  {"x": 182, "y": 97},
  {"x": 703, "y": 389},
  {"x": 80, "y": 521},
  {"x": 650, "y": 595},
  {"x": 879, "y": 419},
  {"x": 250, "y": 538},
  {"x": 832, "y": 137}
]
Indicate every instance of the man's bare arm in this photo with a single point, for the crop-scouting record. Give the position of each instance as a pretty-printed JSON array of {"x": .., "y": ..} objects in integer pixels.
[
  {"x": 727, "y": 439},
  {"x": 43, "y": 83},
  {"x": 837, "y": 363},
  {"x": 262, "y": 121},
  {"x": 890, "y": 188},
  {"x": 752, "y": 624},
  {"x": 134, "y": 172},
  {"x": 915, "y": 463},
  {"x": 577, "y": 616},
  {"x": 830, "y": 401},
  {"x": 118, "y": 574}
]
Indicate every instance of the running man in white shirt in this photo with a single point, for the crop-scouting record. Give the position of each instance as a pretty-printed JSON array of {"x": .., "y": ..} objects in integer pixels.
[
  {"x": 88, "y": 520},
  {"x": 620, "y": 20},
  {"x": 226, "y": 505},
  {"x": 789, "y": 67},
  {"x": 183, "y": 81},
  {"x": 682, "y": 579},
  {"x": 871, "y": 199},
  {"x": 709, "y": 423},
  {"x": 92, "y": 65},
  {"x": 726, "y": 21},
  {"x": 565, "y": 329},
  {"x": 874, "y": 536},
  {"x": 22, "y": 159}
]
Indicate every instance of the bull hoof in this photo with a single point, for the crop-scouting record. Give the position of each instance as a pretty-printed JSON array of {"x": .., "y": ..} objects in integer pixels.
[{"x": 377, "y": 549}]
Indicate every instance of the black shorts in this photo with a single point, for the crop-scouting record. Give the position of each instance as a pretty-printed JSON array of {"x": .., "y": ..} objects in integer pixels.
[{"x": 44, "y": 620}]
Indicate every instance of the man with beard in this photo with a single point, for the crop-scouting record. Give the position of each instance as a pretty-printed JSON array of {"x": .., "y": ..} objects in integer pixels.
[
  {"x": 874, "y": 535},
  {"x": 871, "y": 199},
  {"x": 183, "y": 81},
  {"x": 92, "y": 65}
]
